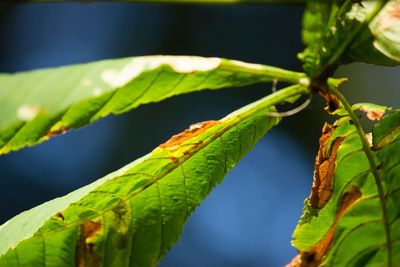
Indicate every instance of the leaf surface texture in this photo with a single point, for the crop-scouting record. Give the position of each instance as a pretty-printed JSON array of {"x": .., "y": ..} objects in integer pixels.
[
  {"x": 37, "y": 105},
  {"x": 133, "y": 216},
  {"x": 340, "y": 32},
  {"x": 348, "y": 229}
]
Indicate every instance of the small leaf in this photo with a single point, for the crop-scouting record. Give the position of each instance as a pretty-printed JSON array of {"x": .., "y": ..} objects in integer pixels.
[
  {"x": 133, "y": 216},
  {"x": 374, "y": 112},
  {"x": 38, "y": 105},
  {"x": 349, "y": 229}
]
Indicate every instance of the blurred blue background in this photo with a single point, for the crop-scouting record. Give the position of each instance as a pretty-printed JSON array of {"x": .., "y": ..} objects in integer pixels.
[{"x": 248, "y": 220}]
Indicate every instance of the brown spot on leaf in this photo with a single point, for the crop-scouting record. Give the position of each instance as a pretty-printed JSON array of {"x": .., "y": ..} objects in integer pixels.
[
  {"x": 314, "y": 256},
  {"x": 332, "y": 102},
  {"x": 174, "y": 160},
  {"x": 91, "y": 228},
  {"x": 85, "y": 251},
  {"x": 193, "y": 131},
  {"x": 373, "y": 114},
  {"x": 193, "y": 147},
  {"x": 325, "y": 165},
  {"x": 60, "y": 215},
  {"x": 53, "y": 133},
  {"x": 390, "y": 17}
]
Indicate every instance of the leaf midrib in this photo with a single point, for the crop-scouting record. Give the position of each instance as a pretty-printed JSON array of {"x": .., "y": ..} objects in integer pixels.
[{"x": 265, "y": 102}]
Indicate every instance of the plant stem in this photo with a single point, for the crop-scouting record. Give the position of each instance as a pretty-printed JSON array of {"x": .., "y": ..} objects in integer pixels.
[
  {"x": 270, "y": 100},
  {"x": 373, "y": 168},
  {"x": 269, "y": 72}
]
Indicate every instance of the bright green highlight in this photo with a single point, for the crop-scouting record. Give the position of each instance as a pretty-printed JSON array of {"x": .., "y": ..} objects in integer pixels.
[
  {"x": 134, "y": 216},
  {"x": 37, "y": 105}
]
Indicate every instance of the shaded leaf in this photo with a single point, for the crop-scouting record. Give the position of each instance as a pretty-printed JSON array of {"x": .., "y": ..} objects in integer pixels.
[
  {"x": 340, "y": 32},
  {"x": 133, "y": 216},
  {"x": 379, "y": 43},
  {"x": 315, "y": 18},
  {"x": 348, "y": 229},
  {"x": 318, "y": 18},
  {"x": 37, "y": 105}
]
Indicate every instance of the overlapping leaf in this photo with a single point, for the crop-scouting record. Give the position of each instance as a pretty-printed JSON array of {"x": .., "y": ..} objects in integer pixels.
[
  {"x": 133, "y": 216},
  {"x": 315, "y": 27},
  {"x": 37, "y": 105},
  {"x": 379, "y": 43},
  {"x": 343, "y": 222},
  {"x": 338, "y": 31}
]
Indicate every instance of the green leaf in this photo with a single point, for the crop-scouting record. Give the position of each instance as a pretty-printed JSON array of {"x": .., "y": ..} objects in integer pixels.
[
  {"x": 37, "y": 105},
  {"x": 343, "y": 222},
  {"x": 317, "y": 19},
  {"x": 373, "y": 111},
  {"x": 134, "y": 215},
  {"x": 340, "y": 32},
  {"x": 379, "y": 43}
]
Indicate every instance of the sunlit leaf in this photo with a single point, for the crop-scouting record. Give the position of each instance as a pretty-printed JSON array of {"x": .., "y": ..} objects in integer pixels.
[
  {"x": 37, "y": 105},
  {"x": 343, "y": 222},
  {"x": 134, "y": 215}
]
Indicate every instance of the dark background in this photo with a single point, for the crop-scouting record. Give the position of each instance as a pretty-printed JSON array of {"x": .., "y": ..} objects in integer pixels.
[{"x": 248, "y": 220}]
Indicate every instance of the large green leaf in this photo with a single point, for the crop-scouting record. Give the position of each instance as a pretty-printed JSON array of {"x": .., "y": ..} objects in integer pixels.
[
  {"x": 37, "y": 105},
  {"x": 343, "y": 222},
  {"x": 338, "y": 32},
  {"x": 134, "y": 215}
]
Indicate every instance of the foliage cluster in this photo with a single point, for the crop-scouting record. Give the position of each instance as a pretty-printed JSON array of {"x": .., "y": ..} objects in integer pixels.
[{"x": 134, "y": 215}]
